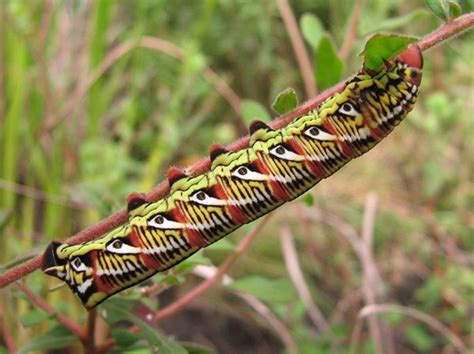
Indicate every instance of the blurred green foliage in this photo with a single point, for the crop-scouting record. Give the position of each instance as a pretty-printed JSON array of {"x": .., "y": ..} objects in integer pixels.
[{"x": 75, "y": 139}]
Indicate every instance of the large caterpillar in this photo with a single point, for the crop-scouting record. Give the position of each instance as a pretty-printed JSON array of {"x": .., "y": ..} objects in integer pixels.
[{"x": 278, "y": 166}]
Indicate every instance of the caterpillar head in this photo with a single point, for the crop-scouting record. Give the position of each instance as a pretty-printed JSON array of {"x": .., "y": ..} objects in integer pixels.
[
  {"x": 96, "y": 269},
  {"x": 413, "y": 59}
]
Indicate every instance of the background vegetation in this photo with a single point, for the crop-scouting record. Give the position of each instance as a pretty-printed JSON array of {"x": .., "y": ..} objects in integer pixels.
[{"x": 100, "y": 97}]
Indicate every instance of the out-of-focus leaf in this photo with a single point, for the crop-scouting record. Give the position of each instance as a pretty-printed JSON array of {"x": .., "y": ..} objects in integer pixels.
[
  {"x": 392, "y": 23},
  {"x": 455, "y": 9},
  {"x": 417, "y": 336},
  {"x": 56, "y": 338},
  {"x": 328, "y": 65},
  {"x": 434, "y": 178},
  {"x": 394, "y": 318},
  {"x": 439, "y": 8},
  {"x": 222, "y": 245},
  {"x": 195, "y": 349},
  {"x": 155, "y": 338},
  {"x": 125, "y": 338},
  {"x": 285, "y": 102},
  {"x": 34, "y": 317},
  {"x": 127, "y": 306},
  {"x": 381, "y": 47},
  {"x": 5, "y": 217},
  {"x": 196, "y": 259},
  {"x": 272, "y": 291},
  {"x": 253, "y": 110},
  {"x": 308, "y": 199},
  {"x": 312, "y": 29}
]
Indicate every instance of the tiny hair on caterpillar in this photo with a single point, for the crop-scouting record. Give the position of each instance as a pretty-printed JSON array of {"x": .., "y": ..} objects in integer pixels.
[{"x": 241, "y": 186}]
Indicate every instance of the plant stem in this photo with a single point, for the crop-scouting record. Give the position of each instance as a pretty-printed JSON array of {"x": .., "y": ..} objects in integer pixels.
[{"x": 445, "y": 32}]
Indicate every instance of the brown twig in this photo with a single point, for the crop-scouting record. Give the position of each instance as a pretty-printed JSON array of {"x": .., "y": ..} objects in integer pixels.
[
  {"x": 296, "y": 274},
  {"x": 447, "y": 31},
  {"x": 443, "y": 33},
  {"x": 89, "y": 346},
  {"x": 351, "y": 34},
  {"x": 7, "y": 334},
  {"x": 66, "y": 322},
  {"x": 259, "y": 306},
  {"x": 372, "y": 282},
  {"x": 38, "y": 194},
  {"x": 279, "y": 327},
  {"x": 208, "y": 283},
  {"x": 299, "y": 48},
  {"x": 156, "y": 44},
  {"x": 410, "y": 312}
]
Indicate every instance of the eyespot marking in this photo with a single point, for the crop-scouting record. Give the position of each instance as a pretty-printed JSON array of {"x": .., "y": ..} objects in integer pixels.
[
  {"x": 161, "y": 222},
  {"x": 203, "y": 198},
  {"x": 318, "y": 134},
  {"x": 348, "y": 109},
  {"x": 283, "y": 153},
  {"x": 78, "y": 265},
  {"x": 245, "y": 173},
  {"x": 117, "y": 246}
]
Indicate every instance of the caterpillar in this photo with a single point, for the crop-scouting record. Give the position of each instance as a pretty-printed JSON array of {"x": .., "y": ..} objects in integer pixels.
[{"x": 241, "y": 186}]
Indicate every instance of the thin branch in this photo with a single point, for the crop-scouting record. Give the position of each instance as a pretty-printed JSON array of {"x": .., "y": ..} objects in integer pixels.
[
  {"x": 208, "y": 283},
  {"x": 351, "y": 34},
  {"x": 447, "y": 31},
  {"x": 410, "y": 312},
  {"x": 298, "y": 47},
  {"x": 278, "y": 326},
  {"x": 89, "y": 347},
  {"x": 156, "y": 44},
  {"x": 38, "y": 194},
  {"x": 259, "y": 306},
  {"x": 443, "y": 33},
  {"x": 296, "y": 275},
  {"x": 66, "y": 322},
  {"x": 372, "y": 282},
  {"x": 8, "y": 339}
]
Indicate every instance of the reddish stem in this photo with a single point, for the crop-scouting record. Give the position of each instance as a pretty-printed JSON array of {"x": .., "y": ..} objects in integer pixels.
[
  {"x": 66, "y": 322},
  {"x": 448, "y": 30}
]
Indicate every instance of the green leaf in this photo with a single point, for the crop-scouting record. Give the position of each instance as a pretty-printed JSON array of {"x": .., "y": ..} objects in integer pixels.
[
  {"x": 328, "y": 65},
  {"x": 58, "y": 337},
  {"x": 272, "y": 291},
  {"x": 433, "y": 178},
  {"x": 397, "y": 22},
  {"x": 155, "y": 338},
  {"x": 222, "y": 245},
  {"x": 439, "y": 8},
  {"x": 254, "y": 110},
  {"x": 189, "y": 263},
  {"x": 419, "y": 338},
  {"x": 125, "y": 338},
  {"x": 5, "y": 217},
  {"x": 193, "y": 348},
  {"x": 381, "y": 47},
  {"x": 308, "y": 199},
  {"x": 285, "y": 102},
  {"x": 455, "y": 9},
  {"x": 34, "y": 317},
  {"x": 312, "y": 29}
]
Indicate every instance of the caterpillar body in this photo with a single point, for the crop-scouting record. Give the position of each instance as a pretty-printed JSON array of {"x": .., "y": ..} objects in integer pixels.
[{"x": 241, "y": 186}]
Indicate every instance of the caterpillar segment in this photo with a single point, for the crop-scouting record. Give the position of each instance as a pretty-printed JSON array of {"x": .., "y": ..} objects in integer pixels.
[
  {"x": 241, "y": 186},
  {"x": 97, "y": 269}
]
